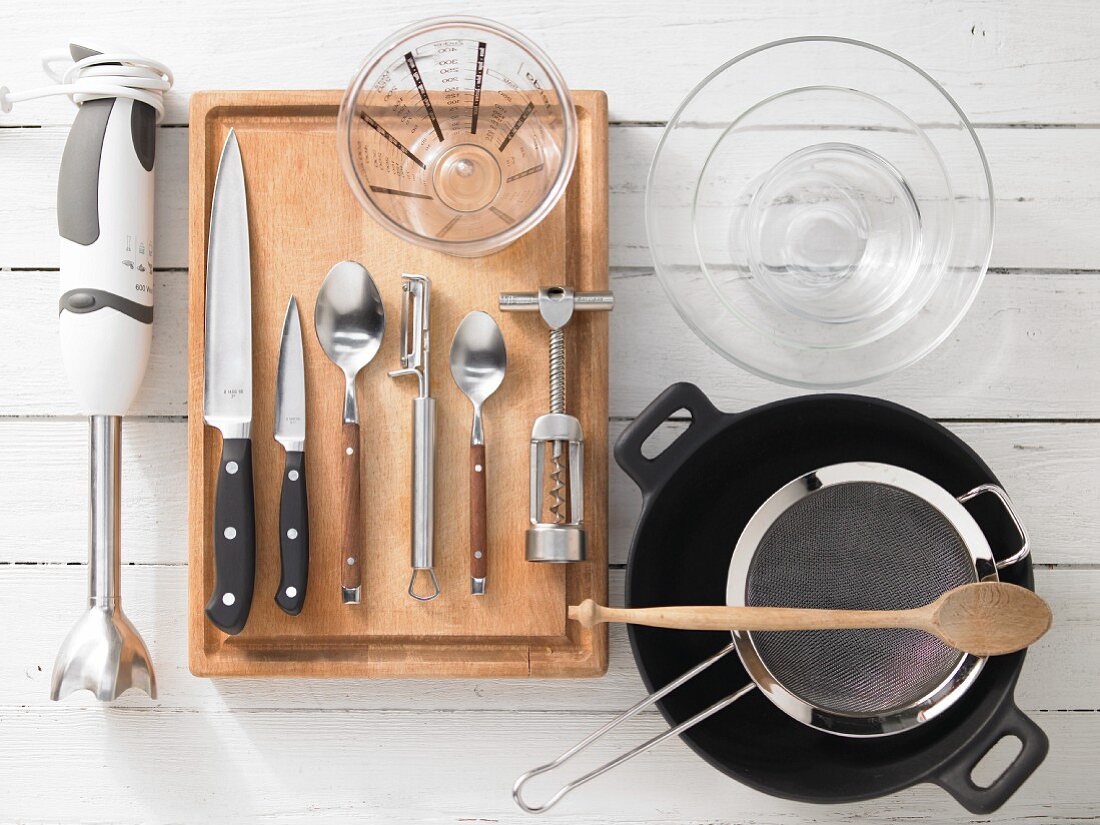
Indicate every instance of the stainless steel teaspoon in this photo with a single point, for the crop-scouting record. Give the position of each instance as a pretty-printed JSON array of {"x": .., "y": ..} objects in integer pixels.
[{"x": 478, "y": 363}]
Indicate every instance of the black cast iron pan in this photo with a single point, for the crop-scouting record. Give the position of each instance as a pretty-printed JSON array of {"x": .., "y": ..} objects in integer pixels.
[{"x": 697, "y": 496}]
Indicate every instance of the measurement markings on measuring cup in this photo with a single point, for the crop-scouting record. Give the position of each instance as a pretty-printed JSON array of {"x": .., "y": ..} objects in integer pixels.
[
  {"x": 447, "y": 227},
  {"x": 398, "y": 145},
  {"x": 525, "y": 173},
  {"x": 530, "y": 107},
  {"x": 410, "y": 61},
  {"x": 479, "y": 74},
  {"x": 383, "y": 190},
  {"x": 504, "y": 216}
]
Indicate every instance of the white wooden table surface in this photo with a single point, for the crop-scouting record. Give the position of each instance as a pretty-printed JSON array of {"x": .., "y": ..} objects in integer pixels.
[{"x": 1018, "y": 380}]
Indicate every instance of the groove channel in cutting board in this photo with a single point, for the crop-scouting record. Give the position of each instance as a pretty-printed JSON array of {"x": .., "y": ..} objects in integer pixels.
[{"x": 303, "y": 218}]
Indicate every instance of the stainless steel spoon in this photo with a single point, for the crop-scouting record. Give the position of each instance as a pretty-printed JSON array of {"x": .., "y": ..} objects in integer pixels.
[
  {"x": 350, "y": 320},
  {"x": 478, "y": 363}
]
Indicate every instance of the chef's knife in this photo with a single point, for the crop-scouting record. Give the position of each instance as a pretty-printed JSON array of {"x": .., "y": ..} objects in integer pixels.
[
  {"x": 290, "y": 431},
  {"x": 227, "y": 394}
]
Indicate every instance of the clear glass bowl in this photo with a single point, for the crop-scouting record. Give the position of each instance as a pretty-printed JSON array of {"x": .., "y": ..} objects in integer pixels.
[
  {"x": 458, "y": 134},
  {"x": 820, "y": 212}
]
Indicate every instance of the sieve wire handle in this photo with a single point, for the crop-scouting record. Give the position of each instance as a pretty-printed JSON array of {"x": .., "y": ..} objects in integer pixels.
[
  {"x": 651, "y": 473},
  {"x": 656, "y": 696},
  {"x": 1002, "y": 497}
]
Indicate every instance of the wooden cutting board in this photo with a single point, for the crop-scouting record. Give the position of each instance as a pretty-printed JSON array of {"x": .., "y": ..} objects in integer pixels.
[{"x": 303, "y": 218}]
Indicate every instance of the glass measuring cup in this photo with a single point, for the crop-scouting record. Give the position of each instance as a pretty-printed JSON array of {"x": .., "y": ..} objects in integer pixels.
[{"x": 458, "y": 134}]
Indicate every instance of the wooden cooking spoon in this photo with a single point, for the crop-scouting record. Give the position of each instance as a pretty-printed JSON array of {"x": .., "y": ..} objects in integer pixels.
[{"x": 985, "y": 619}]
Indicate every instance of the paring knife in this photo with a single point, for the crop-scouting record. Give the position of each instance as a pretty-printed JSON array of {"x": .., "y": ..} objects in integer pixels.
[
  {"x": 290, "y": 431},
  {"x": 227, "y": 393}
]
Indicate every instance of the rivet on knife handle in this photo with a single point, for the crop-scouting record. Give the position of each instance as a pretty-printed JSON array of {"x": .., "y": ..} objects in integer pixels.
[{"x": 234, "y": 538}]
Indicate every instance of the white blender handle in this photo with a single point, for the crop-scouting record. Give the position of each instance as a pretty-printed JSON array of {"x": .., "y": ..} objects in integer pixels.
[{"x": 105, "y": 219}]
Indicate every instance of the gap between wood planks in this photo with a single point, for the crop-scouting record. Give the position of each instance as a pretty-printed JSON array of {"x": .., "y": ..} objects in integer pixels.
[
  {"x": 647, "y": 271},
  {"x": 1057, "y": 565},
  {"x": 658, "y": 124},
  {"x": 612, "y": 419},
  {"x": 1062, "y": 565},
  {"x": 580, "y": 713}
]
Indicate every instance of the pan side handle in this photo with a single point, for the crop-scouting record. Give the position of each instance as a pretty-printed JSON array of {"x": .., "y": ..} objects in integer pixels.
[
  {"x": 956, "y": 777},
  {"x": 651, "y": 473}
]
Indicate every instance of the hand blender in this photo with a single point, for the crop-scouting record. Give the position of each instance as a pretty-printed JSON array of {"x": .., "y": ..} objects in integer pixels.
[{"x": 105, "y": 220}]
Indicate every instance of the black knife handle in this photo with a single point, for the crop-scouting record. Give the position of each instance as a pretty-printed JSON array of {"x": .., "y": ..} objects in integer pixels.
[
  {"x": 293, "y": 535},
  {"x": 234, "y": 538}
]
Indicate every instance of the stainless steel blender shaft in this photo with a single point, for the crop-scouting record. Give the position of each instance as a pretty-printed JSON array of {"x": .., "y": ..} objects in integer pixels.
[
  {"x": 104, "y": 510},
  {"x": 103, "y": 652}
]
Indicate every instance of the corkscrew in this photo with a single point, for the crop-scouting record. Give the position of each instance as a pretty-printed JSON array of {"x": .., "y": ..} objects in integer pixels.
[{"x": 557, "y": 530}]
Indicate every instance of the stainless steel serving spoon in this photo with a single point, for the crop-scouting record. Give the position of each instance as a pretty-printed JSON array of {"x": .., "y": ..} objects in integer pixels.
[
  {"x": 350, "y": 320},
  {"x": 478, "y": 363}
]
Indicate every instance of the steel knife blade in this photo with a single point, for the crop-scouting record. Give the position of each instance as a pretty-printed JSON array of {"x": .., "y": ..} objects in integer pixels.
[
  {"x": 227, "y": 391},
  {"x": 290, "y": 431},
  {"x": 290, "y": 384}
]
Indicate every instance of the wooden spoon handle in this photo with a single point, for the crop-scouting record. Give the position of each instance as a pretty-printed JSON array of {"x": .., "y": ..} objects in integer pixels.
[
  {"x": 714, "y": 617},
  {"x": 351, "y": 575},
  {"x": 479, "y": 561}
]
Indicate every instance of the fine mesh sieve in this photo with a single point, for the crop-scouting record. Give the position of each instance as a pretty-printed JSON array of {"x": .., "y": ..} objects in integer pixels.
[
  {"x": 858, "y": 546},
  {"x": 857, "y": 536}
]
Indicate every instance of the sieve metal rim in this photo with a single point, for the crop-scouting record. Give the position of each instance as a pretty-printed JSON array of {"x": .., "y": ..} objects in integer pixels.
[{"x": 935, "y": 701}]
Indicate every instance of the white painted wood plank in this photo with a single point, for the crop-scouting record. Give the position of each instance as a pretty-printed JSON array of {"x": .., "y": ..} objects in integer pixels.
[
  {"x": 1061, "y": 673},
  {"x": 28, "y": 202},
  {"x": 47, "y": 499},
  {"x": 155, "y": 599},
  {"x": 1046, "y": 183},
  {"x": 1004, "y": 62},
  {"x": 1046, "y": 186},
  {"x": 31, "y": 371},
  {"x": 1049, "y": 468},
  {"x": 130, "y": 766},
  {"x": 1027, "y": 349}
]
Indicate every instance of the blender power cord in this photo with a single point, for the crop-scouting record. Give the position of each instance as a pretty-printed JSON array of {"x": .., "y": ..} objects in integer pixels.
[{"x": 111, "y": 74}]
